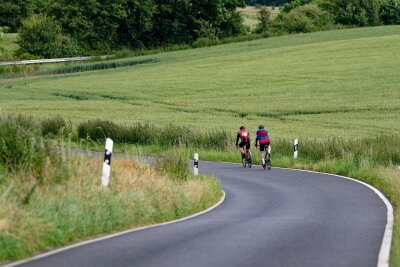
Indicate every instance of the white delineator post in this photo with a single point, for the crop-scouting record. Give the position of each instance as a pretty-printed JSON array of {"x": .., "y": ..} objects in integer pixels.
[
  {"x": 107, "y": 163},
  {"x": 196, "y": 164},
  {"x": 296, "y": 147}
]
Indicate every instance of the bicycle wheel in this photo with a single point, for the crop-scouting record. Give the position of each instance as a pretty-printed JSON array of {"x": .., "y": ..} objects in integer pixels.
[
  {"x": 249, "y": 163},
  {"x": 244, "y": 162},
  {"x": 265, "y": 164},
  {"x": 268, "y": 161}
]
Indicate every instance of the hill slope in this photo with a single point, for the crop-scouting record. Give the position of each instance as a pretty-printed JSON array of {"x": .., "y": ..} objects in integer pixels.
[{"x": 319, "y": 85}]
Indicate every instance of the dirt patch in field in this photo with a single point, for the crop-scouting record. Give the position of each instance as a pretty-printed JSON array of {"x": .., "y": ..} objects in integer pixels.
[
  {"x": 254, "y": 10},
  {"x": 4, "y": 225}
]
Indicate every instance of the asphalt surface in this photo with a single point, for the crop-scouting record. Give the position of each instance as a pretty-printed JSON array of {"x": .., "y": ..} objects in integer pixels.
[{"x": 270, "y": 218}]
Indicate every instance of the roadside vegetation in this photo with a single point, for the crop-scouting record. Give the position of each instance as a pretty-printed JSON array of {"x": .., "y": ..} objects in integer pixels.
[
  {"x": 373, "y": 160},
  {"x": 50, "y": 198}
]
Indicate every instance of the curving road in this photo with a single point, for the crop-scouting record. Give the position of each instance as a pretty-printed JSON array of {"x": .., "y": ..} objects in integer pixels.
[{"x": 271, "y": 218}]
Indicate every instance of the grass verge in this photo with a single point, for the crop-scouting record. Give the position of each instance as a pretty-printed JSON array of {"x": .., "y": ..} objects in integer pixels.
[
  {"x": 60, "y": 213},
  {"x": 49, "y": 198}
]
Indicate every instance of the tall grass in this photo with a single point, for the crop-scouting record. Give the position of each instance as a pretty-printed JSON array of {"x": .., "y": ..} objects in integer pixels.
[
  {"x": 55, "y": 126},
  {"x": 175, "y": 163},
  {"x": 38, "y": 210},
  {"x": 22, "y": 147},
  {"x": 147, "y": 134},
  {"x": 60, "y": 213},
  {"x": 383, "y": 150}
]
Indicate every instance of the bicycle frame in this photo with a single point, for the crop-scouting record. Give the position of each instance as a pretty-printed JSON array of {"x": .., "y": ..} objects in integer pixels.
[
  {"x": 267, "y": 158},
  {"x": 246, "y": 160}
]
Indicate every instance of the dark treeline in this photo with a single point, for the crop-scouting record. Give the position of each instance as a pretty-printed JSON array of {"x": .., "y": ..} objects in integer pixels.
[
  {"x": 54, "y": 28},
  {"x": 98, "y": 26}
]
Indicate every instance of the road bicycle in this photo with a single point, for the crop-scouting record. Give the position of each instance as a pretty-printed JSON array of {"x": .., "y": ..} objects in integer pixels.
[
  {"x": 267, "y": 161},
  {"x": 246, "y": 158}
]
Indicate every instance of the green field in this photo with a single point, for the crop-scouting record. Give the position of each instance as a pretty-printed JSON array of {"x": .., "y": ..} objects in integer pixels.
[
  {"x": 8, "y": 46},
  {"x": 328, "y": 84}
]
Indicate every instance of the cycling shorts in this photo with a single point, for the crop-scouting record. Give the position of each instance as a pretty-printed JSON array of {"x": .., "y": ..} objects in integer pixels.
[
  {"x": 247, "y": 144},
  {"x": 263, "y": 146}
]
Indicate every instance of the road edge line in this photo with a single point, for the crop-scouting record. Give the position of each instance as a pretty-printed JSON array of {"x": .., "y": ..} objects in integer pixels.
[
  {"x": 56, "y": 251},
  {"x": 384, "y": 252}
]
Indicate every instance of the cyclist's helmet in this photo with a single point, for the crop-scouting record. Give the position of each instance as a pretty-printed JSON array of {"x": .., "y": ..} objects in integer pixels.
[
  {"x": 261, "y": 127},
  {"x": 242, "y": 127}
]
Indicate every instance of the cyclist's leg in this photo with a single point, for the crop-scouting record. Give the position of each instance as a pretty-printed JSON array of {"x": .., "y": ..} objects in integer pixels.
[
  {"x": 248, "y": 150},
  {"x": 242, "y": 149},
  {"x": 262, "y": 149}
]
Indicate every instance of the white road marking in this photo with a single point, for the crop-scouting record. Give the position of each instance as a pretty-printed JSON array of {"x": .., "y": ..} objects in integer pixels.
[{"x": 47, "y": 254}]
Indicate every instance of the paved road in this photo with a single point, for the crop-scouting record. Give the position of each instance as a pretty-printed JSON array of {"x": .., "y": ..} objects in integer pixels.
[{"x": 271, "y": 218}]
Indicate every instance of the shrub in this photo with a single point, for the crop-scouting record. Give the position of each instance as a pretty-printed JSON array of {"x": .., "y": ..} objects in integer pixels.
[
  {"x": 213, "y": 140},
  {"x": 41, "y": 36},
  {"x": 305, "y": 18},
  {"x": 23, "y": 149},
  {"x": 264, "y": 19},
  {"x": 205, "y": 42},
  {"x": 353, "y": 12},
  {"x": 70, "y": 47},
  {"x": 294, "y": 4},
  {"x": 54, "y": 126},
  {"x": 147, "y": 134},
  {"x": 207, "y": 34},
  {"x": 174, "y": 135},
  {"x": 144, "y": 134},
  {"x": 390, "y": 12},
  {"x": 99, "y": 130}
]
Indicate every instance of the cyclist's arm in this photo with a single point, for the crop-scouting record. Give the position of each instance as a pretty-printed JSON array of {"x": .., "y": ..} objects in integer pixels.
[{"x": 237, "y": 138}]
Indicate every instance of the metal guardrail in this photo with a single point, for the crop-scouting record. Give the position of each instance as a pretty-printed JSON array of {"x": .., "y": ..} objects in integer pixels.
[{"x": 52, "y": 60}]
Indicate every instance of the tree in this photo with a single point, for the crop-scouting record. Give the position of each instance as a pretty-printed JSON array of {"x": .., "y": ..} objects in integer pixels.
[
  {"x": 12, "y": 12},
  {"x": 40, "y": 36},
  {"x": 390, "y": 12},
  {"x": 1, "y": 37},
  {"x": 304, "y": 18},
  {"x": 294, "y": 4},
  {"x": 222, "y": 14},
  {"x": 135, "y": 27},
  {"x": 353, "y": 12},
  {"x": 102, "y": 25},
  {"x": 264, "y": 19},
  {"x": 99, "y": 26},
  {"x": 172, "y": 22},
  {"x": 207, "y": 34}
]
